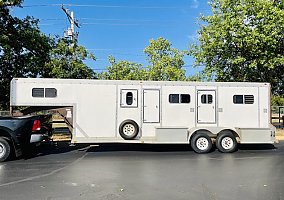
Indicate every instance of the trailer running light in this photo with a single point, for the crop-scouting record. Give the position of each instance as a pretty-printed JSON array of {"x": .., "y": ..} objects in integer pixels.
[{"x": 36, "y": 125}]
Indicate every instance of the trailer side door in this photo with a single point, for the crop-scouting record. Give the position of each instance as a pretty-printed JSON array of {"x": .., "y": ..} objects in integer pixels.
[
  {"x": 151, "y": 106},
  {"x": 206, "y": 106}
]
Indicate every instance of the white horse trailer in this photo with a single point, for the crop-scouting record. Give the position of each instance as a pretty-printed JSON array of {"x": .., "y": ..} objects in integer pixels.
[{"x": 199, "y": 113}]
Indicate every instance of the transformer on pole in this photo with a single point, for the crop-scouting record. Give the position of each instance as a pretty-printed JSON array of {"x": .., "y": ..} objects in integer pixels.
[{"x": 70, "y": 32}]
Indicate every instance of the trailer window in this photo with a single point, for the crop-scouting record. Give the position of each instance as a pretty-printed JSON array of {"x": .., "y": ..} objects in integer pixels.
[
  {"x": 206, "y": 99},
  {"x": 50, "y": 92},
  {"x": 179, "y": 98},
  {"x": 243, "y": 99},
  {"x": 238, "y": 99},
  {"x": 129, "y": 98},
  {"x": 174, "y": 98},
  {"x": 185, "y": 98},
  {"x": 38, "y": 92}
]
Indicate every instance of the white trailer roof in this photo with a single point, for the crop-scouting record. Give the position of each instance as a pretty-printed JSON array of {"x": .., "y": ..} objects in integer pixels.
[{"x": 131, "y": 82}]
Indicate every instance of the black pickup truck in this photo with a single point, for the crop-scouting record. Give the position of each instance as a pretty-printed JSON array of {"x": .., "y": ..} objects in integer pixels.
[{"x": 18, "y": 134}]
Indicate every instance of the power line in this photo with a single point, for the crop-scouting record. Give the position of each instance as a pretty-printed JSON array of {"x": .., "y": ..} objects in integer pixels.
[
  {"x": 132, "y": 24},
  {"x": 113, "y": 19},
  {"x": 118, "y": 49},
  {"x": 119, "y": 24},
  {"x": 110, "y": 6}
]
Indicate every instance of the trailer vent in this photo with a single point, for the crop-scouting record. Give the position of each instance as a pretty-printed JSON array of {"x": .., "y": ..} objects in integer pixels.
[
  {"x": 249, "y": 99},
  {"x": 38, "y": 92}
]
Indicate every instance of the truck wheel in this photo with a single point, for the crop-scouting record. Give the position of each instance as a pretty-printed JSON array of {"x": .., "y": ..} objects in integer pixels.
[
  {"x": 128, "y": 129},
  {"x": 201, "y": 143},
  {"x": 4, "y": 149},
  {"x": 226, "y": 142}
]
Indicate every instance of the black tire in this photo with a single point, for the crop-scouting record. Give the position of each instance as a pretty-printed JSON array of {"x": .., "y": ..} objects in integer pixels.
[
  {"x": 226, "y": 142},
  {"x": 5, "y": 149},
  {"x": 128, "y": 129},
  {"x": 201, "y": 143}
]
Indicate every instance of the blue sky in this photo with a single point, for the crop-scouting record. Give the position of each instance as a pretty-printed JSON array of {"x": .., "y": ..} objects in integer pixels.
[{"x": 121, "y": 28}]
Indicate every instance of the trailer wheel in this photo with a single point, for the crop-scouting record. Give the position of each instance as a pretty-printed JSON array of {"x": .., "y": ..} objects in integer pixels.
[
  {"x": 226, "y": 142},
  {"x": 128, "y": 129},
  {"x": 5, "y": 149},
  {"x": 201, "y": 143}
]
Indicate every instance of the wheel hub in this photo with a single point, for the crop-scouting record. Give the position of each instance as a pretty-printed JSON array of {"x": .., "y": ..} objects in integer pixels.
[
  {"x": 2, "y": 150},
  {"x": 202, "y": 143},
  {"x": 128, "y": 129},
  {"x": 227, "y": 143}
]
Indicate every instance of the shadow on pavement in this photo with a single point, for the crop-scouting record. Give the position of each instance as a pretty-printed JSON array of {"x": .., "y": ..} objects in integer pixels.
[
  {"x": 64, "y": 147},
  {"x": 48, "y": 148},
  {"x": 141, "y": 147},
  {"x": 256, "y": 146}
]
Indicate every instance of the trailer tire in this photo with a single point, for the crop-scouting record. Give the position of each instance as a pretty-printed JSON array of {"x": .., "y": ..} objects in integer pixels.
[
  {"x": 128, "y": 129},
  {"x": 201, "y": 143},
  {"x": 226, "y": 142},
  {"x": 5, "y": 149}
]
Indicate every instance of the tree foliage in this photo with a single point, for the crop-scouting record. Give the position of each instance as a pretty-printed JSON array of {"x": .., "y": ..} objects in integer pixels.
[
  {"x": 26, "y": 52},
  {"x": 10, "y": 3},
  {"x": 277, "y": 101},
  {"x": 23, "y": 50},
  {"x": 165, "y": 61},
  {"x": 243, "y": 41},
  {"x": 67, "y": 60},
  {"x": 123, "y": 70}
]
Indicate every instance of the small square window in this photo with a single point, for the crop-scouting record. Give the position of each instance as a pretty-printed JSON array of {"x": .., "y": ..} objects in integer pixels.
[
  {"x": 50, "y": 92},
  {"x": 185, "y": 98},
  {"x": 206, "y": 99},
  {"x": 38, "y": 92},
  {"x": 174, "y": 98},
  {"x": 238, "y": 99}
]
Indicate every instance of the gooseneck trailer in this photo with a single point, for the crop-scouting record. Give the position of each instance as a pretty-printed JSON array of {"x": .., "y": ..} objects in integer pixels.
[{"x": 196, "y": 113}]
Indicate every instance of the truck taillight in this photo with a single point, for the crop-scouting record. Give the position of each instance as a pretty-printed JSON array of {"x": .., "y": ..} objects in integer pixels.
[{"x": 36, "y": 125}]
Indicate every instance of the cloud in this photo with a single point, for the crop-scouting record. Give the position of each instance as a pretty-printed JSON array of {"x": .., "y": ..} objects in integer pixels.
[
  {"x": 193, "y": 37},
  {"x": 195, "y": 4}
]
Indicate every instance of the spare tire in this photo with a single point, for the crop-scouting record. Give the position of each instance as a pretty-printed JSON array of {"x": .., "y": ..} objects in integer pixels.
[{"x": 128, "y": 129}]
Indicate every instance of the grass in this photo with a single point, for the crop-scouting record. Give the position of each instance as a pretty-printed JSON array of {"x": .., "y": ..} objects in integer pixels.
[{"x": 280, "y": 134}]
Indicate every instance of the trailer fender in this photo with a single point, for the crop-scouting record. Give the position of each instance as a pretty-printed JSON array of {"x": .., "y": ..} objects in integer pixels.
[{"x": 213, "y": 131}]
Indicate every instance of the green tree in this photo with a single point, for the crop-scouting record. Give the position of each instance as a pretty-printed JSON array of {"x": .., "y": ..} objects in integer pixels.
[
  {"x": 277, "y": 101},
  {"x": 23, "y": 49},
  {"x": 165, "y": 61},
  {"x": 123, "y": 70},
  {"x": 67, "y": 60},
  {"x": 10, "y": 2},
  {"x": 243, "y": 40}
]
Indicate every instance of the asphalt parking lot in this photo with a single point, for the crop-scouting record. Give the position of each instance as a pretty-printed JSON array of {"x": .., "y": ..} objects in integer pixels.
[{"x": 145, "y": 172}]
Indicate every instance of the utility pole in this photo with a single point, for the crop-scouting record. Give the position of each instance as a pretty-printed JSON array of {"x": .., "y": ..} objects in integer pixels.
[{"x": 70, "y": 32}]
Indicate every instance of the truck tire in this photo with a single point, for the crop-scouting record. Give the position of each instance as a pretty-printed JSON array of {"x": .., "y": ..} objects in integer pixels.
[
  {"x": 201, "y": 143},
  {"x": 5, "y": 149},
  {"x": 128, "y": 129},
  {"x": 226, "y": 142}
]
